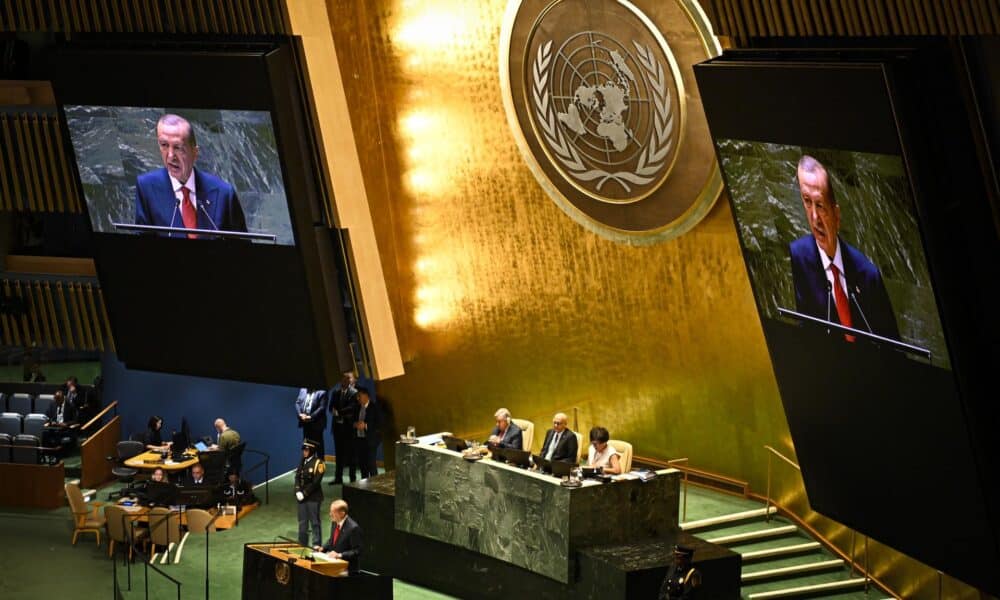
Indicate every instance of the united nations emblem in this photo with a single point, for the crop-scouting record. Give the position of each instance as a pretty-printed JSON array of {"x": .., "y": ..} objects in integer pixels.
[
  {"x": 601, "y": 108},
  {"x": 282, "y": 573}
]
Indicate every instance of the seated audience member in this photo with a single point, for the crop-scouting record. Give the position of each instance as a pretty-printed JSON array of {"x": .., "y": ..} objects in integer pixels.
[
  {"x": 560, "y": 441},
  {"x": 158, "y": 475},
  {"x": 506, "y": 434},
  {"x": 227, "y": 438},
  {"x": 60, "y": 412},
  {"x": 237, "y": 491},
  {"x": 345, "y": 538},
  {"x": 61, "y": 417},
  {"x": 601, "y": 453},
  {"x": 152, "y": 437},
  {"x": 196, "y": 477},
  {"x": 34, "y": 374}
]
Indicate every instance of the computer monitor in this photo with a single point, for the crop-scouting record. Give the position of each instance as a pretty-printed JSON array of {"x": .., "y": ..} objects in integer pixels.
[
  {"x": 179, "y": 444},
  {"x": 198, "y": 495},
  {"x": 161, "y": 493},
  {"x": 541, "y": 462},
  {"x": 520, "y": 458},
  {"x": 456, "y": 444},
  {"x": 561, "y": 468}
]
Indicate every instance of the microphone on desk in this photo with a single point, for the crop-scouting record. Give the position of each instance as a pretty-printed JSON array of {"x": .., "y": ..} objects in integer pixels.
[
  {"x": 854, "y": 298},
  {"x": 177, "y": 206},
  {"x": 202, "y": 205},
  {"x": 829, "y": 295}
]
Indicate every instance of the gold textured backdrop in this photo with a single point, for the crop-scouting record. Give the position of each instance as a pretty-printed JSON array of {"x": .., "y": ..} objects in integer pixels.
[{"x": 500, "y": 299}]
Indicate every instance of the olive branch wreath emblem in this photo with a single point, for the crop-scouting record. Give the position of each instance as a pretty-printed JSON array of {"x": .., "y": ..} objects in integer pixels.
[{"x": 651, "y": 159}]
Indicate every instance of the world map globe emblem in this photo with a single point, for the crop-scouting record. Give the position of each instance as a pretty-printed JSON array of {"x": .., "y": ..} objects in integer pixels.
[{"x": 604, "y": 109}]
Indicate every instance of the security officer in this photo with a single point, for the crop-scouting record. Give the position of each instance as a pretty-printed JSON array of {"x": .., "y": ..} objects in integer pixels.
[
  {"x": 683, "y": 580},
  {"x": 309, "y": 493}
]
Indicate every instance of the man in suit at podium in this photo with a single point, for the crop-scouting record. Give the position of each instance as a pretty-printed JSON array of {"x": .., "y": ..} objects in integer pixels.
[
  {"x": 345, "y": 538},
  {"x": 560, "y": 441},
  {"x": 178, "y": 195},
  {"x": 311, "y": 409},
  {"x": 834, "y": 281}
]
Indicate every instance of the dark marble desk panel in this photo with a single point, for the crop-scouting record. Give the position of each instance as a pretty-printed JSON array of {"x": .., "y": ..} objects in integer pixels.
[{"x": 522, "y": 517}]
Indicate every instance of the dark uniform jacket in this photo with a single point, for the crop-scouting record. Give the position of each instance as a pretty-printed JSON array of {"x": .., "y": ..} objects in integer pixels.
[
  {"x": 680, "y": 584},
  {"x": 567, "y": 448},
  {"x": 309, "y": 478}
]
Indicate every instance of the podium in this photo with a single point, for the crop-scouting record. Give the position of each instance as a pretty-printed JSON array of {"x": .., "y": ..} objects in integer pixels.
[{"x": 280, "y": 571}]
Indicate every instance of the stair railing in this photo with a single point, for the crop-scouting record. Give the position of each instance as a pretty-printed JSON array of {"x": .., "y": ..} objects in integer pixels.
[{"x": 767, "y": 513}]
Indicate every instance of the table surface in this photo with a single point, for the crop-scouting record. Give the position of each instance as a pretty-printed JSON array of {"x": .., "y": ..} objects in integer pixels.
[
  {"x": 227, "y": 521},
  {"x": 152, "y": 459}
]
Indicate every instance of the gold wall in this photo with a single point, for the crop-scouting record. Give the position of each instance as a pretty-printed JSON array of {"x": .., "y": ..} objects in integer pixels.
[{"x": 500, "y": 299}]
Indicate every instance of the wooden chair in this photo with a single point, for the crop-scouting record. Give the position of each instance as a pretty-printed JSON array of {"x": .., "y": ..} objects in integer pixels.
[
  {"x": 120, "y": 529},
  {"x": 164, "y": 531},
  {"x": 581, "y": 448},
  {"x": 198, "y": 519},
  {"x": 527, "y": 432},
  {"x": 625, "y": 454},
  {"x": 85, "y": 520}
]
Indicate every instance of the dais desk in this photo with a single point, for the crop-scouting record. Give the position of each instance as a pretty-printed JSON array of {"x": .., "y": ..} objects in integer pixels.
[
  {"x": 276, "y": 572},
  {"x": 152, "y": 460},
  {"x": 523, "y": 517}
]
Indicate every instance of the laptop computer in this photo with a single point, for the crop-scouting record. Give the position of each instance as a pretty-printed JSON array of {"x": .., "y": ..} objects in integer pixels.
[
  {"x": 520, "y": 458},
  {"x": 541, "y": 463},
  {"x": 456, "y": 444},
  {"x": 201, "y": 446},
  {"x": 561, "y": 468}
]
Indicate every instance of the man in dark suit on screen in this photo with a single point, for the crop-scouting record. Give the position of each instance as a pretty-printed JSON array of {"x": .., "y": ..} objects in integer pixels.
[
  {"x": 179, "y": 195},
  {"x": 833, "y": 280},
  {"x": 345, "y": 538}
]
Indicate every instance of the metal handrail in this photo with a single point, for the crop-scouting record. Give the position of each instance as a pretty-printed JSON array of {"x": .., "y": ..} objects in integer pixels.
[
  {"x": 684, "y": 480},
  {"x": 104, "y": 411},
  {"x": 267, "y": 472},
  {"x": 769, "y": 502}
]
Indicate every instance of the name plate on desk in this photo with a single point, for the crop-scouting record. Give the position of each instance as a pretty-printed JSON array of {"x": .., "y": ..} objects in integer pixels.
[{"x": 523, "y": 517}]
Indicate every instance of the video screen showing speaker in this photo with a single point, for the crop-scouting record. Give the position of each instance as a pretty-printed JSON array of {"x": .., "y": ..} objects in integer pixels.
[
  {"x": 201, "y": 177},
  {"x": 831, "y": 239},
  {"x": 831, "y": 219},
  {"x": 186, "y": 173}
]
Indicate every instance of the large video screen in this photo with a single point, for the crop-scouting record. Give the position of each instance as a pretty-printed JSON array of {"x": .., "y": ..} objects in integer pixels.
[
  {"x": 833, "y": 235},
  {"x": 863, "y": 291},
  {"x": 167, "y": 170}
]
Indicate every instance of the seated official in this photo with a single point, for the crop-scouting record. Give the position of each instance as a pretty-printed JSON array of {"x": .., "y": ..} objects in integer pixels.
[
  {"x": 196, "y": 476},
  {"x": 159, "y": 475},
  {"x": 506, "y": 434},
  {"x": 237, "y": 491},
  {"x": 345, "y": 538},
  {"x": 601, "y": 453},
  {"x": 560, "y": 441},
  {"x": 152, "y": 438},
  {"x": 61, "y": 417}
]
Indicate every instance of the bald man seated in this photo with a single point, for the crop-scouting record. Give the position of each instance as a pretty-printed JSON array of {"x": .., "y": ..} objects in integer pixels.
[{"x": 560, "y": 441}]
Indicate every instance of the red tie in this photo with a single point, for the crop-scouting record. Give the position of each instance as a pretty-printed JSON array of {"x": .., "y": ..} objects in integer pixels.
[
  {"x": 188, "y": 213},
  {"x": 336, "y": 535},
  {"x": 840, "y": 298}
]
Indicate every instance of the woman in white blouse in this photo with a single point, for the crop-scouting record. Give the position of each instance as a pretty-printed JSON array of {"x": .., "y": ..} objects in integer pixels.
[{"x": 601, "y": 454}]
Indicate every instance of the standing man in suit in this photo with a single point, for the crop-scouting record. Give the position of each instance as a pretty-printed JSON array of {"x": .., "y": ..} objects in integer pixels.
[
  {"x": 368, "y": 433},
  {"x": 309, "y": 493},
  {"x": 345, "y": 538},
  {"x": 560, "y": 441},
  {"x": 833, "y": 280},
  {"x": 179, "y": 195},
  {"x": 311, "y": 409},
  {"x": 344, "y": 410},
  {"x": 506, "y": 434}
]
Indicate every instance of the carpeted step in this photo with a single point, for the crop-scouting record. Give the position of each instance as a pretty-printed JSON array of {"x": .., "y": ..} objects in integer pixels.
[
  {"x": 809, "y": 590},
  {"x": 727, "y": 518},
  {"x": 795, "y": 570},
  {"x": 757, "y": 534},
  {"x": 780, "y": 551}
]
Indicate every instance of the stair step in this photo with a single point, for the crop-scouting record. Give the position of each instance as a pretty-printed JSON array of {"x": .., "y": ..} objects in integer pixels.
[
  {"x": 780, "y": 551},
  {"x": 753, "y": 535},
  {"x": 831, "y": 586},
  {"x": 730, "y": 518},
  {"x": 792, "y": 570}
]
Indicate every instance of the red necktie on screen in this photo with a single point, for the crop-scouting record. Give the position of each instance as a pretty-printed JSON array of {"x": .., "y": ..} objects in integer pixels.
[
  {"x": 188, "y": 213},
  {"x": 336, "y": 535},
  {"x": 840, "y": 298}
]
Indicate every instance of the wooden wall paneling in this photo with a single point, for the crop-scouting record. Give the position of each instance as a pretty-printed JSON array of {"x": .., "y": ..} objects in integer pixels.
[
  {"x": 11, "y": 155},
  {"x": 41, "y": 153},
  {"x": 64, "y": 313},
  {"x": 32, "y": 308},
  {"x": 24, "y": 164},
  {"x": 32, "y": 486},
  {"x": 43, "y": 314},
  {"x": 55, "y": 192},
  {"x": 82, "y": 325},
  {"x": 50, "y": 305},
  {"x": 105, "y": 320},
  {"x": 94, "y": 317},
  {"x": 95, "y": 468},
  {"x": 66, "y": 169}
]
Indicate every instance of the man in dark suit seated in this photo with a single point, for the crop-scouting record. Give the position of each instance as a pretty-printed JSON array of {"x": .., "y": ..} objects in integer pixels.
[
  {"x": 345, "y": 539},
  {"x": 195, "y": 477},
  {"x": 560, "y": 441},
  {"x": 179, "y": 195},
  {"x": 833, "y": 280},
  {"x": 62, "y": 423},
  {"x": 368, "y": 432},
  {"x": 506, "y": 434}
]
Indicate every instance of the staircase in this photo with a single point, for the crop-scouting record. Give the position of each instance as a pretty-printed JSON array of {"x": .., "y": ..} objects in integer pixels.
[{"x": 779, "y": 559}]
